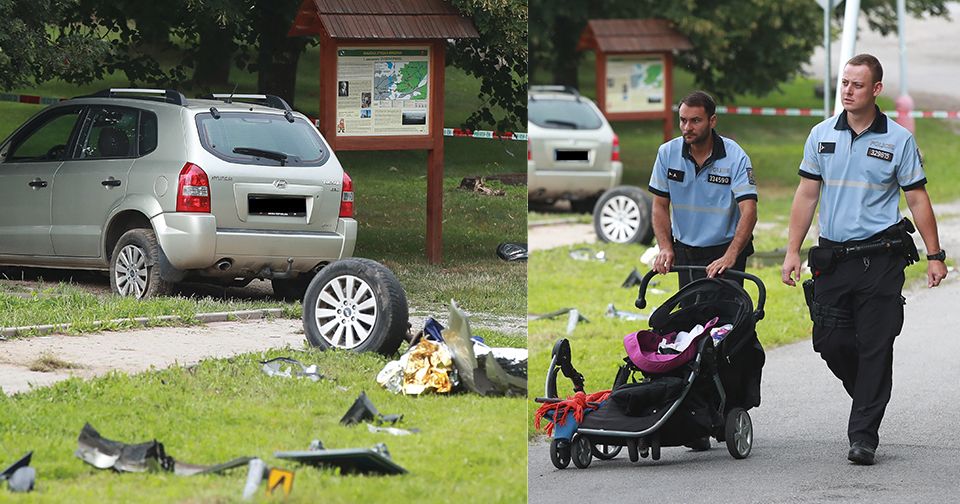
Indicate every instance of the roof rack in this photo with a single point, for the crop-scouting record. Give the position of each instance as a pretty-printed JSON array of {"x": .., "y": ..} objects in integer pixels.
[
  {"x": 555, "y": 88},
  {"x": 271, "y": 101},
  {"x": 164, "y": 95}
]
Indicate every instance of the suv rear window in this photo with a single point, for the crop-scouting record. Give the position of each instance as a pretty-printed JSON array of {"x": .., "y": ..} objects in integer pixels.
[
  {"x": 298, "y": 140},
  {"x": 563, "y": 114}
]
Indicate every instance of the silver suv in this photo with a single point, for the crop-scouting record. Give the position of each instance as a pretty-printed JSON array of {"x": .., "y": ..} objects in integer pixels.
[
  {"x": 157, "y": 189},
  {"x": 574, "y": 154}
]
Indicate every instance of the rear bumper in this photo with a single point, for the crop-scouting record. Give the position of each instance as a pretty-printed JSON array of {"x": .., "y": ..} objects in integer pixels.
[
  {"x": 193, "y": 242},
  {"x": 573, "y": 184}
]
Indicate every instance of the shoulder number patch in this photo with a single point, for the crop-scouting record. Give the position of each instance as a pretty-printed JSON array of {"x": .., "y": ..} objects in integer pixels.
[
  {"x": 826, "y": 147},
  {"x": 675, "y": 175},
  {"x": 880, "y": 154},
  {"x": 717, "y": 179}
]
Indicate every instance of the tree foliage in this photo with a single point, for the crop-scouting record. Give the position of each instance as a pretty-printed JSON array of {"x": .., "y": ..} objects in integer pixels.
[
  {"x": 498, "y": 58},
  {"x": 30, "y": 53},
  {"x": 740, "y": 46}
]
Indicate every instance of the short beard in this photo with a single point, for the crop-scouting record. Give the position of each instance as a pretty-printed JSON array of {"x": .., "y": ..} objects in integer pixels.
[{"x": 700, "y": 139}]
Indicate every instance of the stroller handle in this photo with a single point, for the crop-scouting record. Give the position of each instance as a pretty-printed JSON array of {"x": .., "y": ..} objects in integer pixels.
[{"x": 641, "y": 301}]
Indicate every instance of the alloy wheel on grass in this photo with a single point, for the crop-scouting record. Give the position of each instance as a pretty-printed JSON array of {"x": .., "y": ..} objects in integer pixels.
[{"x": 346, "y": 311}]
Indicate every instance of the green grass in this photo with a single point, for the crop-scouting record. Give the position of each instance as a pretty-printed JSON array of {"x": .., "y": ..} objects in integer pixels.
[
  {"x": 390, "y": 206},
  {"x": 62, "y": 303},
  {"x": 469, "y": 446}
]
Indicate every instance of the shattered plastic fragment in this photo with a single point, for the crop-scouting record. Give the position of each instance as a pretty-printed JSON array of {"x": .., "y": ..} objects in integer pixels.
[
  {"x": 103, "y": 453},
  {"x": 363, "y": 410},
  {"x": 350, "y": 461},
  {"x": 484, "y": 376},
  {"x": 392, "y": 430},
  {"x": 287, "y": 367},
  {"x": 587, "y": 254},
  {"x": 22, "y": 480},
  {"x": 634, "y": 278},
  {"x": 512, "y": 252},
  {"x": 613, "y": 312},
  {"x": 255, "y": 471},
  {"x": 23, "y": 462},
  {"x": 20, "y": 477}
]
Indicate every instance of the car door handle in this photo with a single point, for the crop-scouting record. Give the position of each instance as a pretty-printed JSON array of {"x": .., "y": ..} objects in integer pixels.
[
  {"x": 110, "y": 182},
  {"x": 37, "y": 183}
]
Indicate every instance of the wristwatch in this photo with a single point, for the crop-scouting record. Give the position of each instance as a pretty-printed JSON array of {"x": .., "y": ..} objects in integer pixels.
[{"x": 939, "y": 256}]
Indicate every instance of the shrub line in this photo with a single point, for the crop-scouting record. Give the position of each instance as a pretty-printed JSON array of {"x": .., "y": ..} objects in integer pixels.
[{"x": 205, "y": 318}]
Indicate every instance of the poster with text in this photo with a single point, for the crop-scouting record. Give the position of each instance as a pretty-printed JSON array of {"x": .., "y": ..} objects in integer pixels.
[
  {"x": 635, "y": 84},
  {"x": 383, "y": 91}
]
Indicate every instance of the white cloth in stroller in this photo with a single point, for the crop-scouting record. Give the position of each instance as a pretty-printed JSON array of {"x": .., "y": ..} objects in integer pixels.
[{"x": 683, "y": 338}]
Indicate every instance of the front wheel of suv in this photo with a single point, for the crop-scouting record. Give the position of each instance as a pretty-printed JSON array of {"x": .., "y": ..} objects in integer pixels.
[
  {"x": 355, "y": 304},
  {"x": 622, "y": 215},
  {"x": 135, "y": 266}
]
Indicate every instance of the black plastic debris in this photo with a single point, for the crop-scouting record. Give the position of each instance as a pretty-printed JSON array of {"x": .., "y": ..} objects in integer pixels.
[
  {"x": 104, "y": 453},
  {"x": 20, "y": 477},
  {"x": 374, "y": 460},
  {"x": 184, "y": 469},
  {"x": 512, "y": 251},
  {"x": 634, "y": 278},
  {"x": 287, "y": 367},
  {"x": 23, "y": 462},
  {"x": 363, "y": 410}
]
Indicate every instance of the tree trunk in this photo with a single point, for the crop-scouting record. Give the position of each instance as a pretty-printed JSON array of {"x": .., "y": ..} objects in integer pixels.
[
  {"x": 278, "y": 54},
  {"x": 567, "y": 59},
  {"x": 214, "y": 58}
]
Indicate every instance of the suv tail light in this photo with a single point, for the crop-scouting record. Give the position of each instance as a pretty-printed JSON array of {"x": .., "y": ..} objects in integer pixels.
[
  {"x": 615, "y": 153},
  {"x": 529, "y": 153},
  {"x": 193, "y": 190},
  {"x": 346, "y": 198}
]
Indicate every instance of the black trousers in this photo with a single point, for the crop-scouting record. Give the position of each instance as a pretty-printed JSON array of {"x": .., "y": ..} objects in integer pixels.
[
  {"x": 862, "y": 356},
  {"x": 685, "y": 255}
]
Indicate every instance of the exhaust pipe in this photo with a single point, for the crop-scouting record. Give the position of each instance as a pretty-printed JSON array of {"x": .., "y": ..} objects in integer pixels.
[{"x": 224, "y": 264}]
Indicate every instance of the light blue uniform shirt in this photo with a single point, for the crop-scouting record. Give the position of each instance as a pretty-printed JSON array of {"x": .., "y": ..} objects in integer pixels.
[
  {"x": 861, "y": 176},
  {"x": 703, "y": 199}
]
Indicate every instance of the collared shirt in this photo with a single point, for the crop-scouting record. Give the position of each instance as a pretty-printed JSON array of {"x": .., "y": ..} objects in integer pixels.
[
  {"x": 703, "y": 199},
  {"x": 861, "y": 175}
]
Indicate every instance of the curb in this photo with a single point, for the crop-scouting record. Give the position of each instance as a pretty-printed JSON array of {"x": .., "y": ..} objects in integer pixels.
[
  {"x": 554, "y": 222},
  {"x": 206, "y": 318}
]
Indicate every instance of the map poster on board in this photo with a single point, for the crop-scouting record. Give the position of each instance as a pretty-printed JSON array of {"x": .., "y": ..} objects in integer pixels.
[
  {"x": 383, "y": 91},
  {"x": 635, "y": 84}
]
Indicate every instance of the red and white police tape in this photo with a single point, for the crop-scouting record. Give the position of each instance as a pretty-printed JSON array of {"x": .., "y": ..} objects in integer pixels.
[
  {"x": 801, "y": 112},
  {"x": 512, "y": 135}
]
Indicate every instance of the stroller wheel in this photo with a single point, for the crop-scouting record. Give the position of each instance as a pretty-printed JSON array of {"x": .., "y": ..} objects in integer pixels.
[
  {"x": 560, "y": 453},
  {"x": 739, "y": 433},
  {"x": 605, "y": 452},
  {"x": 655, "y": 447},
  {"x": 632, "y": 450},
  {"x": 581, "y": 451}
]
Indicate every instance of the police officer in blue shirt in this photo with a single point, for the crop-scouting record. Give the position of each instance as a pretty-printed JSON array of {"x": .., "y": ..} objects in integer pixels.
[
  {"x": 708, "y": 181},
  {"x": 855, "y": 164}
]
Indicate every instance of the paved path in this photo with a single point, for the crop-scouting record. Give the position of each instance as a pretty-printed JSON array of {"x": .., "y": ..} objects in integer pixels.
[
  {"x": 137, "y": 350},
  {"x": 799, "y": 452}
]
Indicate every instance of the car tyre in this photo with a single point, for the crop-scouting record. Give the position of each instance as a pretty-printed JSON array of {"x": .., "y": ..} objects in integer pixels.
[
  {"x": 358, "y": 305},
  {"x": 623, "y": 215},
  {"x": 135, "y": 265}
]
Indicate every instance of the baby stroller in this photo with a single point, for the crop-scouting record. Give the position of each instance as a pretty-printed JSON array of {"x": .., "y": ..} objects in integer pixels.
[{"x": 703, "y": 391}]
